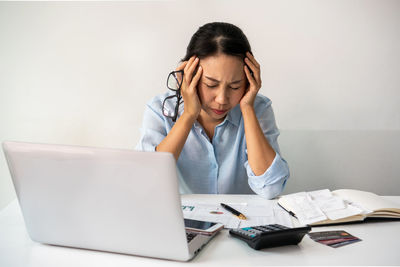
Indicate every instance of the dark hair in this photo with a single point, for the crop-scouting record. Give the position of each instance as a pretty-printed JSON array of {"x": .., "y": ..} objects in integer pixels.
[{"x": 218, "y": 37}]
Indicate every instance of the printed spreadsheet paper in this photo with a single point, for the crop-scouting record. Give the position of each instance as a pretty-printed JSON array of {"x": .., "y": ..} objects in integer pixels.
[
  {"x": 319, "y": 205},
  {"x": 256, "y": 213}
]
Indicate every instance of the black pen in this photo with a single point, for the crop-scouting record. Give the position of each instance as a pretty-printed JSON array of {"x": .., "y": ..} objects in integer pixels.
[
  {"x": 290, "y": 212},
  {"x": 234, "y": 212}
]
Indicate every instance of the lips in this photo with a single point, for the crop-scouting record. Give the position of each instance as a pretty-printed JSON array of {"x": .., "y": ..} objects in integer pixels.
[{"x": 219, "y": 111}]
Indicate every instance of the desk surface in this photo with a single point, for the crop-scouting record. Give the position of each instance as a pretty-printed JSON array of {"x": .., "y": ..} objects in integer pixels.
[{"x": 379, "y": 246}]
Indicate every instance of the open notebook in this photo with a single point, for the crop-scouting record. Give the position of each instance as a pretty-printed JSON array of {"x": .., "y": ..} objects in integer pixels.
[{"x": 345, "y": 205}]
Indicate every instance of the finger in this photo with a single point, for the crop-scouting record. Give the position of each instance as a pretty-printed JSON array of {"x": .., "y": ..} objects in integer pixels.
[
  {"x": 182, "y": 65},
  {"x": 186, "y": 77},
  {"x": 255, "y": 81},
  {"x": 250, "y": 64},
  {"x": 250, "y": 78},
  {"x": 193, "y": 66},
  {"x": 256, "y": 71},
  {"x": 190, "y": 61},
  {"x": 252, "y": 59},
  {"x": 197, "y": 76},
  {"x": 189, "y": 69}
]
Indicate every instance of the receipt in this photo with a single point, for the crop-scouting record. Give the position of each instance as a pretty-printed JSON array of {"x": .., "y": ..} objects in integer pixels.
[
  {"x": 306, "y": 210},
  {"x": 330, "y": 204}
]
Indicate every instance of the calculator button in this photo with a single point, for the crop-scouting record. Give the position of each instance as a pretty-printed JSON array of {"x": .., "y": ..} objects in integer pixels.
[
  {"x": 276, "y": 228},
  {"x": 280, "y": 226},
  {"x": 257, "y": 231},
  {"x": 272, "y": 235},
  {"x": 245, "y": 233}
]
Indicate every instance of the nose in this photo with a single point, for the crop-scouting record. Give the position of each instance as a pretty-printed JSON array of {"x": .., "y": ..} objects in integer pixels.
[{"x": 222, "y": 97}]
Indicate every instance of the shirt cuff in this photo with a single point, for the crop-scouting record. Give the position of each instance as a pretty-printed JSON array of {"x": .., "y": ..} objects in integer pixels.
[{"x": 269, "y": 184}]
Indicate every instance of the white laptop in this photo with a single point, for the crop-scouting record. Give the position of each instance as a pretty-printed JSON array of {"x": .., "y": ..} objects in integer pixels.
[{"x": 115, "y": 200}]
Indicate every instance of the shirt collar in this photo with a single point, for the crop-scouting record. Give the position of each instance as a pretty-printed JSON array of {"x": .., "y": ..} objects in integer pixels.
[{"x": 234, "y": 115}]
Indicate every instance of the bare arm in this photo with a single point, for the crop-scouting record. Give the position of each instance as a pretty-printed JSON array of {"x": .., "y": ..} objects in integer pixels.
[
  {"x": 176, "y": 138},
  {"x": 259, "y": 152}
]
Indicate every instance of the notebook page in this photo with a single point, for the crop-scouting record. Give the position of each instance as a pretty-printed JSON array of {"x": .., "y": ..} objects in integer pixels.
[{"x": 368, "y": 200}]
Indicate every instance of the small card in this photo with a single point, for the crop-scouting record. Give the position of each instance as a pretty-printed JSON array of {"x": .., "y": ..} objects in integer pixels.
[
  {"x": 326, "y": 235},
  {"x": 345, "y": 243},
  {"x": 334, "y": 239}
]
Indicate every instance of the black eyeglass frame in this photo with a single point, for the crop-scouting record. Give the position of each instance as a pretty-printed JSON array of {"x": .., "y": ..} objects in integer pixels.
[{"x": 177, "y": 95}]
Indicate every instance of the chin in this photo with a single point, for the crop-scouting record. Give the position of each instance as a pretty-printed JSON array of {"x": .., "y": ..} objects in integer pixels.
[{"x": 216, "y": 116}]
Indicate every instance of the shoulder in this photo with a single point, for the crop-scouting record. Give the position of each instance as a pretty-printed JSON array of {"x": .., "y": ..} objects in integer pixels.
[
  {"x": 262, "y": 104},
  {"x": 157, "y": 105},
  {"x": 157, "y": 101}
]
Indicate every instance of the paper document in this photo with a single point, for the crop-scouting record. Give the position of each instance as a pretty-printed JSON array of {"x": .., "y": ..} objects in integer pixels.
[
  {"x": 319, "y": 205},
  {"x": 306, "y": 210},
  {"x": 256, "y": 214}
]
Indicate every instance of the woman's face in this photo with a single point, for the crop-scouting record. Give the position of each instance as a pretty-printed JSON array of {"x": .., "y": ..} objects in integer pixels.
[{"x": 222, "y": 84}]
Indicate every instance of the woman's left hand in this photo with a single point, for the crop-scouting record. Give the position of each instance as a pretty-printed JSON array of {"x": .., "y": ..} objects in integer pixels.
[{"x": 255, "y": 81}]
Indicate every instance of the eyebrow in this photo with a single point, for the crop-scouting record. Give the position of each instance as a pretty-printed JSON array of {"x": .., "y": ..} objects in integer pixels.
[{"x": 215, "y": 80}]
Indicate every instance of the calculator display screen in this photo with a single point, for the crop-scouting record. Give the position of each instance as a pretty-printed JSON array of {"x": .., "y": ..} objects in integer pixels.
[{"x": 198, "y": 224}]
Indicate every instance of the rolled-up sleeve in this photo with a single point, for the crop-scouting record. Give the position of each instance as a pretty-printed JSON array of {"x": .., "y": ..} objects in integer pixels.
[
  {"x": 271, "y": 183},
  {"x": 153, "y": 129}
]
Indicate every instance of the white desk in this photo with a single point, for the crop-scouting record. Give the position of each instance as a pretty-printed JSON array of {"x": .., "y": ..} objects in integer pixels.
[{"x": 379, "y": 246}]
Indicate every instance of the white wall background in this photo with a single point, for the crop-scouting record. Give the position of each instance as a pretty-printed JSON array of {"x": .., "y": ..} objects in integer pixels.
[{"x": 80, "y": 73}]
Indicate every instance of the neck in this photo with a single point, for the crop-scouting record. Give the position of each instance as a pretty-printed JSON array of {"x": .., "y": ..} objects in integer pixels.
[{"x": 208, "y": 123}]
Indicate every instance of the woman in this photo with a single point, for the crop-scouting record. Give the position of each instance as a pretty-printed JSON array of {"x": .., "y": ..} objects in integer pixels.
[{"x": 223, "y": 135}]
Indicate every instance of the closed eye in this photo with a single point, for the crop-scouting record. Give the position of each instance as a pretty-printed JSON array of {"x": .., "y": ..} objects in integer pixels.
[{"x": 213, "y": 86}]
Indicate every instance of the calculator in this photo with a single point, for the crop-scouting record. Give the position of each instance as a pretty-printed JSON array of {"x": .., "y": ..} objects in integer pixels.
[{"x": 270, "y": 235}]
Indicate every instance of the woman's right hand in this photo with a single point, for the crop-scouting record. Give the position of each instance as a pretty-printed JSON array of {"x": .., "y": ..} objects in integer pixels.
[{"x": 189, "y": 87}]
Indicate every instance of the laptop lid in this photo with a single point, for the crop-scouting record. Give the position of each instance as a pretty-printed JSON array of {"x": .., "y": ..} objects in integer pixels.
[{"x": 113, "y": 200}]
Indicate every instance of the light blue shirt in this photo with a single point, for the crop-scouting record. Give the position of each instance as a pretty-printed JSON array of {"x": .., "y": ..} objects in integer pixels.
[{"x": 220, "y": 166}]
